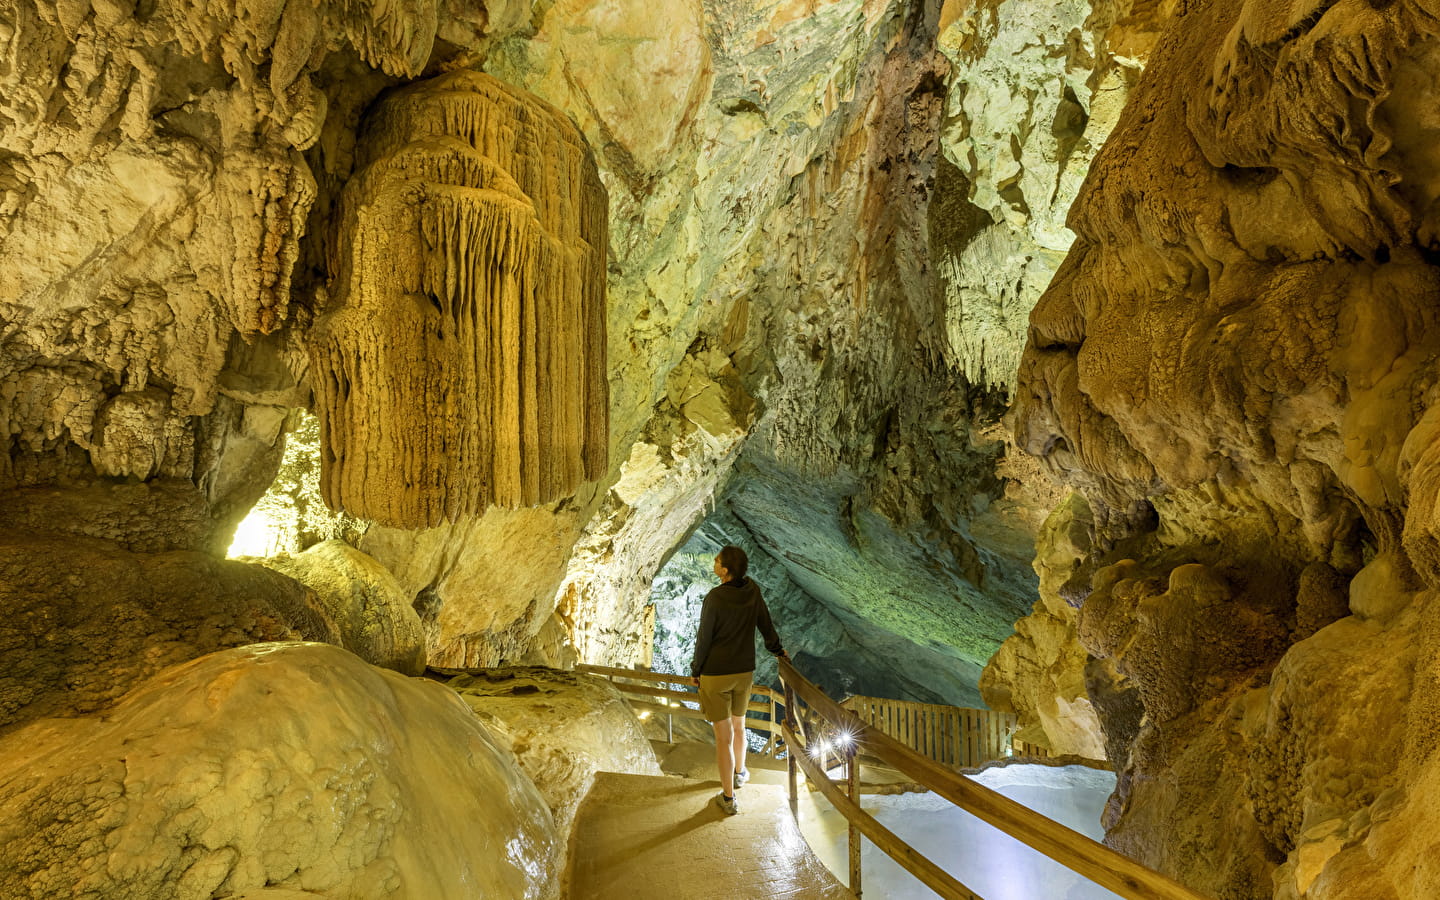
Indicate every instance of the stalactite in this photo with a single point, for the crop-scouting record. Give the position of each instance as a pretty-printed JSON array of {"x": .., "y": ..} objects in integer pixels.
[{"x": 461, "y": 362}]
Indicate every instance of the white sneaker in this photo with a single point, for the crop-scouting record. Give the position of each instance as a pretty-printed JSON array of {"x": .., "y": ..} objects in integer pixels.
[
  {"x": 741, "y": 777},
  {"x": 728, "y": 805}
]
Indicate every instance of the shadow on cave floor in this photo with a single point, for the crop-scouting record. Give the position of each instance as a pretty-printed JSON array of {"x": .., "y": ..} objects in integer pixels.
[{"x": 659, "y": 836}]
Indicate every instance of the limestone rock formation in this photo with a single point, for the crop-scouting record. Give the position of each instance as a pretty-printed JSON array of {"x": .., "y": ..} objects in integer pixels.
[
  {"x": 155, "y": 197},
  {"x": 1234, "y": 364},
  {"x": 1039, "y": 672},
  {"x": 85, "y": 621},
  {"x": 274, "y": 767},
  {"x": 372, "y": 613},
  {"x": 170, "y": 181},
  {"x": 460, "y": 360},
  {"x": 1035, "y": 89},
  {"x": 562, "y": 727},
  {"x": 485, "y": 588}
]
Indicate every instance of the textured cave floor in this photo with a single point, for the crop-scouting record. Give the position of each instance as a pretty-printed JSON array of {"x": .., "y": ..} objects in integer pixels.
[{"x": 639, "y": 837}]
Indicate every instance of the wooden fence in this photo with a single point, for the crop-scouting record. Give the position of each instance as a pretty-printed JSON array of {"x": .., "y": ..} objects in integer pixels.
[{"x": 950, "y": 735}]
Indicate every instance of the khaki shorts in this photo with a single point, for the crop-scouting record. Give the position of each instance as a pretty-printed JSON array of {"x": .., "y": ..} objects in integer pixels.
[{"x": 725, "y": 695}]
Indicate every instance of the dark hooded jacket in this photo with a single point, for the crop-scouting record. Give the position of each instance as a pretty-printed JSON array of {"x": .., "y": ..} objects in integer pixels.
[{"x": 728, "y": 619}]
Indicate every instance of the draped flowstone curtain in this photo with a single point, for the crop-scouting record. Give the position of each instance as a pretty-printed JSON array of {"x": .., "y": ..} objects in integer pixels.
[{"x": 460, "y": 360}]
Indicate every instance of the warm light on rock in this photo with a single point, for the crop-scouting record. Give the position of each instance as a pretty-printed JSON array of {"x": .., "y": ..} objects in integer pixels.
[
  {"x": 461, "y": 361},
  {"x": 236, "y": 784}
]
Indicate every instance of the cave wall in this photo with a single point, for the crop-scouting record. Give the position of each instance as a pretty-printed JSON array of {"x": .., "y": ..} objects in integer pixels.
[
  {"x": 1035, "y": 90},
  {"x": 1235, "y": 365},
  {"x": 722, "y": 133},
  {"x": 770, "y": 173}
]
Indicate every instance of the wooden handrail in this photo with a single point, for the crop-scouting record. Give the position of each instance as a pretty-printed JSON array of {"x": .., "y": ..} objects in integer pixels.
[
  {"x": 934, "y": 877},
  {"x": 1102, "y": 865},
  {"x": 660, "y": 677},
  {"x": 689, "y": 694}
]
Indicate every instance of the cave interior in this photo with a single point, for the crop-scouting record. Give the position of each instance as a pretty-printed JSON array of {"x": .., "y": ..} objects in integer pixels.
[{"x": 367, "y": 367}]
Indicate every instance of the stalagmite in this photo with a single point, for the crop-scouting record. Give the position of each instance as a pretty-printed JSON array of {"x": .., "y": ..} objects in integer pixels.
[{"x": 461, "y": 362}]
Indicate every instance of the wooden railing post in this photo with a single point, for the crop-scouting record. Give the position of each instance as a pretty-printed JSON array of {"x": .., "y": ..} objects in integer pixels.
[
  {"x": 791, "y": 721},
  {"x": 852, "y": 777},
  {"x": 771, "y": 746}
]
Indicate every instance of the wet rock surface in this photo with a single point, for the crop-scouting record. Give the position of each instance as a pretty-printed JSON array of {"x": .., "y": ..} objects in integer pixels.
[
  {"x": 274, "y": 767},
  {"x": 563, "y": 728}
]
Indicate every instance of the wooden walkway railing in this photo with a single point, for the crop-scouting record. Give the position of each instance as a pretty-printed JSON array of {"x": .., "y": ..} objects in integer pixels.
[
  {"x": 671, "y": 701},
  {"x": 950, "y": 735},
  {"x": 815, "y": 722},
  {"x": 918, "y": 740}
]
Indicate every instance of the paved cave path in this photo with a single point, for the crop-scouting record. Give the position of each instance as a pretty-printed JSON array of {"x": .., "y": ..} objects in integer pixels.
[{"x": 659, "y": 837}]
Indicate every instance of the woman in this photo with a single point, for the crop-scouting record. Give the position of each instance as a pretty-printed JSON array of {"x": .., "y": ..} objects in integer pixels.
[{"x": 724, "y": 665}]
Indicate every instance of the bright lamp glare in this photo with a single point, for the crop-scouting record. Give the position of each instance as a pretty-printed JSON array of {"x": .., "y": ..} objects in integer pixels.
[{"x": 261, "y": 533}]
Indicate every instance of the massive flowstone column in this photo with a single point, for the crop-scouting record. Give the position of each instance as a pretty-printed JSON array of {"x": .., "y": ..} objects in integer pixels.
[{"x": 460, "y": 361}]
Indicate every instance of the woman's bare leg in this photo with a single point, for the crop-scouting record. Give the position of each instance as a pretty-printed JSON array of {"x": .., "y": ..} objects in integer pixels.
[
  {"x": 725, "y": 755},
  {"x": 737, "y": 726}
]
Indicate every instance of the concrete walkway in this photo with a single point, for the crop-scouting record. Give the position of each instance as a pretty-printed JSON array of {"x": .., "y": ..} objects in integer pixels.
[{"x": 648, "y": 837}]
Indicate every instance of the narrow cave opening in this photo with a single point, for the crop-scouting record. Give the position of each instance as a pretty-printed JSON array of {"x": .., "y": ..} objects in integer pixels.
[
  {"x": 842, "y": 612},
  {"x": 291, "y": 516}
]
